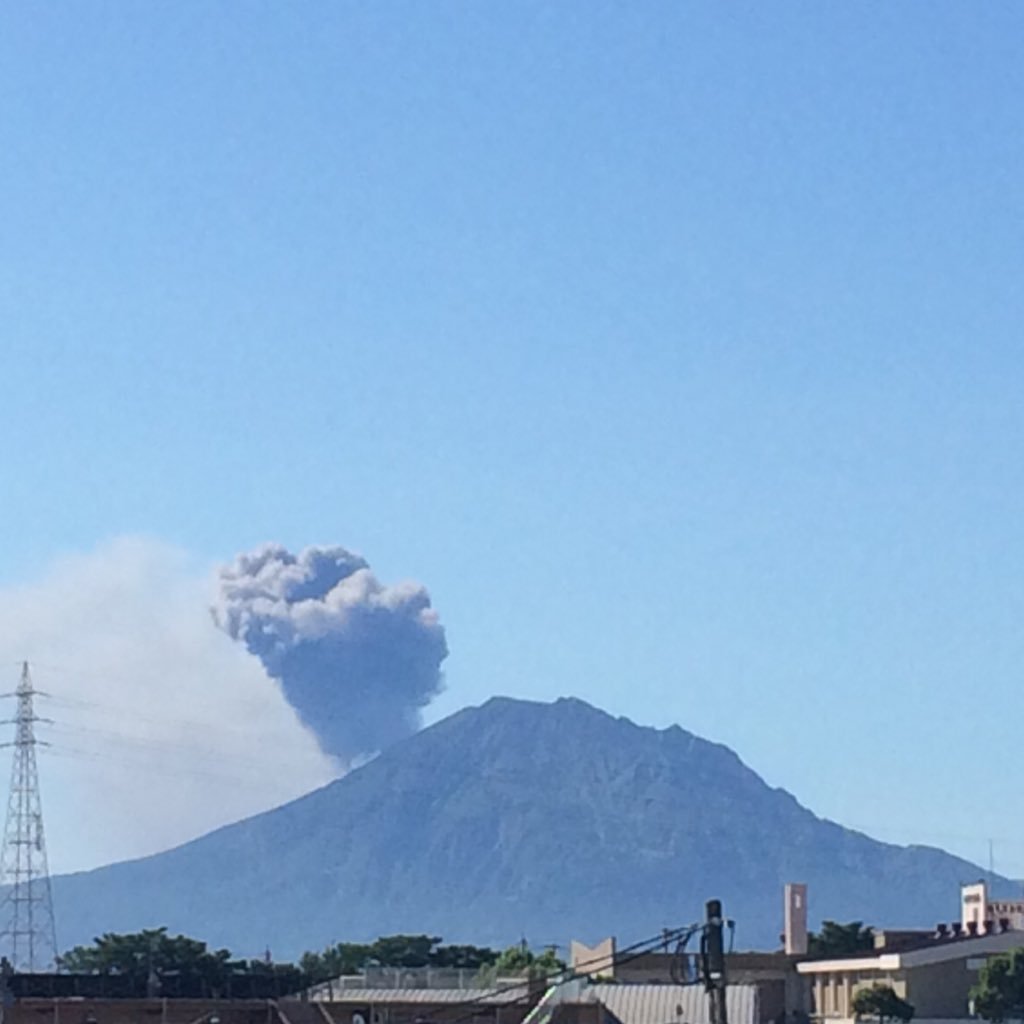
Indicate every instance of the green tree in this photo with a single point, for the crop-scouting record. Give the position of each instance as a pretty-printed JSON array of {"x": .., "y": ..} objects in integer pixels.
[
  {"x": 404, "y": 950},
  {"x": 840, "y": 939},
  {"x": 548, "y": 962},
  {"x": 999, "y": 993},
  {"x": 142, "y": 955},
  {"x": 313, "y": 967},
  {"x": 465, "y": 957},
  {"x": 521, "y": 959},
  {"x": 881, "y": 1001},
  {"x": 334, "y": 961},
  {"x": 514, "y": 960}
]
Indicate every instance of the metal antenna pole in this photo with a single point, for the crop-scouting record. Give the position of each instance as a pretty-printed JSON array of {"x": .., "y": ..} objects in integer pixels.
[{"x": 28, "y": 933}]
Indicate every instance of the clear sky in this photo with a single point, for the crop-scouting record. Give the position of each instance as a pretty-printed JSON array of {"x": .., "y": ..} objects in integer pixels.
[{"x": 676, "y": 348}]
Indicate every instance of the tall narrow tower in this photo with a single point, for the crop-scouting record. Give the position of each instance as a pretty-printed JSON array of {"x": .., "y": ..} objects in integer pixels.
[{"x": 28, "y": 934}]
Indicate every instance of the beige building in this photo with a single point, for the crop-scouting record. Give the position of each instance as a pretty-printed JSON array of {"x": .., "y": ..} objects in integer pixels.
[
  {"x": 780, "y": 991},
  {"x": 646, "y": 1004},
  {"x": 935, "y": 977},
  {"x": 144, "y": 1011},
  {"x": 978, "y": 912},
  {"x": 498, "y": 1005}
]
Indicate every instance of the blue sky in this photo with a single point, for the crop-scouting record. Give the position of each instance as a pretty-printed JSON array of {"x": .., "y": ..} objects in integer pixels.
[{"x": 674, "y": 347}]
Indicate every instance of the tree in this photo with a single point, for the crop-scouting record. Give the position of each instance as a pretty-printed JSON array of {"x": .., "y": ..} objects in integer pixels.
[
  {"x": 314, "y": 968},
  {"x": 514, "y": 960},
  {"x": 999, "y": 993},
  {"x": 466, "y": 957},
  {"x": 840, "y": 939},
  {"x": 521, "y": 959},
  {"x": 881, "y": 1001},
  {"x": 404, "y": 950},
  {"x": 142, "y": 956},
  {"x": 548, "y": 962},
  {"x": 139, "y": 953},
  {"x": 142, "y": 963}
]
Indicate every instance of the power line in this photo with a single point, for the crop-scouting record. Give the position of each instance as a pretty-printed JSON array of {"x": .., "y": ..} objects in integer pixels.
[
  {"x": 160, "y": 756},
  {"x": 521, "y": 988}
]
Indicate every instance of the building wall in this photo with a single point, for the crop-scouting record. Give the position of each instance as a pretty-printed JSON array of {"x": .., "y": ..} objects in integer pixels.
[
  {"x": 973, "y": 904},
  {"x": 579, "y": 1013},
  {"x": 139, "y": 1011},
  {"x": 781, "y": 991},
  {"x": 976, "y": 908},
  {"x": 1009, "y": 910},
  {"x": 795, "y": 919},
  {"x": 935, "y": 990},
  {"x": 889, "y": 940},
  {"x": 940, "y": 990},
  {"x": 342, "y": 1012},
  {"x": 663, "y": 968},
  {"x": 594, "y": 960},
  {"x": 832, "y": 993},
  {"x": 237, "y": 1011}
]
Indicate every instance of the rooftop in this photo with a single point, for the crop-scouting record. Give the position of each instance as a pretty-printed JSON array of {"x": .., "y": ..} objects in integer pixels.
[
  {"x": 934, "y": 951},
  {"x": 664, "y": 1004}
]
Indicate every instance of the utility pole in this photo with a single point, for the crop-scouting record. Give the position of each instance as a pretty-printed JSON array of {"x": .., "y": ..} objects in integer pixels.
[
  {"x": 714, "y": 963},
  {"x": 28, "y": 934}
]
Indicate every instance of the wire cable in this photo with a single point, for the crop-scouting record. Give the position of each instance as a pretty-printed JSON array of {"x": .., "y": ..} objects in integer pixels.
[{"x": 523, "y": 988}]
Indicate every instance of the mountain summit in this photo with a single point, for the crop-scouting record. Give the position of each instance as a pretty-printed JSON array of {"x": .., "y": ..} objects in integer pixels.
[{"x": 515, "y": 818}]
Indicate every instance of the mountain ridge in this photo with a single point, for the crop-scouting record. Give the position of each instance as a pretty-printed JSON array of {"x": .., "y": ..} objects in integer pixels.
[{"x": 553, "y": 820}]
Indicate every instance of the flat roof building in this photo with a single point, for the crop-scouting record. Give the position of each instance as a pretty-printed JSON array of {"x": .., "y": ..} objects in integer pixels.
[
  {"x": 978, "y": 909},
  {"x": 935, "y": 977}
]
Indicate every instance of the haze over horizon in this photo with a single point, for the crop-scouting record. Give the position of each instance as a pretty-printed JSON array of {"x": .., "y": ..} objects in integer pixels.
[{"x": 673, "y": 351}]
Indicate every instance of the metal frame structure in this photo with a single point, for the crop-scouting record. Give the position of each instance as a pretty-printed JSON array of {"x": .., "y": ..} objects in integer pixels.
[{"x": 28, "y": 931}]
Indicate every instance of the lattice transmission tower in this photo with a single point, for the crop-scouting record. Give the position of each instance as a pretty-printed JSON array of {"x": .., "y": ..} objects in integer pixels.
[{"x": 28, "y": 932}]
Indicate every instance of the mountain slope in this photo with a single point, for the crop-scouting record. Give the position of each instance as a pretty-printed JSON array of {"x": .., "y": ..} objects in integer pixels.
[{"x": 546, "y": 820}]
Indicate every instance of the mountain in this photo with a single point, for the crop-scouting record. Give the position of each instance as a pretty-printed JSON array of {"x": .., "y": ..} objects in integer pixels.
[{"x": 553, "y": 821}]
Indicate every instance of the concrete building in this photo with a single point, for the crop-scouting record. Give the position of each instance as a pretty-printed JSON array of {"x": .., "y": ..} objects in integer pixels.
[
  {"x": 38, "y": 1010},
  {"x": 794, "y": 928},
  {"x": 781, "y": 993},
  {"x": 496, "y": 1005},
  {"x": 977, "y": 910},
  {"x": 604, "y": 1003},
  {"x": 933, "y": 970},
  {"x": 935, "y": 977}
]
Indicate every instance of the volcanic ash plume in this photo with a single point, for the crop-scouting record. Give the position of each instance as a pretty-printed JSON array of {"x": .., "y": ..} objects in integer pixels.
[{"x": 356, "y": 659}]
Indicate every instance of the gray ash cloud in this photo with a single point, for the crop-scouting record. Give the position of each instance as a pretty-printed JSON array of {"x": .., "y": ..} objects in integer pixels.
[{"x": 358, "y": 660}]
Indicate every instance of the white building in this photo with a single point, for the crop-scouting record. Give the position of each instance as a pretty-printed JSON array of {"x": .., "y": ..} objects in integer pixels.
[{"x": 979, "y": 913}]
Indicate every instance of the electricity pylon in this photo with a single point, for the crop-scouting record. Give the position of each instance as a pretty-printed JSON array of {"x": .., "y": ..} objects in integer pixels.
[{"x": 28, "y": 932}]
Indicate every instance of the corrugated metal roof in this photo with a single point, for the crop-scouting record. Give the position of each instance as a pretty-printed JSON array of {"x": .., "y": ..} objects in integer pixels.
[
  {"x": 426, "y": 996},
  {"x": 626, "y": 1003},
  {"x": 669, "y": 1004}
]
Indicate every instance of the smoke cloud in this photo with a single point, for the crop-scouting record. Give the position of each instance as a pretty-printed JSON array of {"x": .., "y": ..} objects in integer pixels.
[
  {"x": 356, "y": 659},
  {"x": 162, "y": 728}
]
